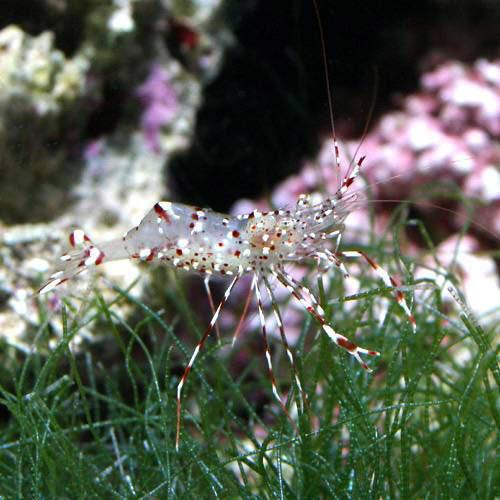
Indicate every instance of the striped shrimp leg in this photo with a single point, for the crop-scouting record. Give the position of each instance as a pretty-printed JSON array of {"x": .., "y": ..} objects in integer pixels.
[
  {"x": 349, "y": 179},
  {"x": 289, "y": 353},
  {"x": 260, "y": 307},
  {"x": 388, "y": 280},
  {"x": 208, "y": 291},
  {"x": 197, "y": 349},
  {"x": 310, "y": 304},
  {"x": 243, "y": 317}
]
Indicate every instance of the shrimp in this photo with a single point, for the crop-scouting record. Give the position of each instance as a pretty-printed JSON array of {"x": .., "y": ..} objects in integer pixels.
[{"x": 258, "y": 243}]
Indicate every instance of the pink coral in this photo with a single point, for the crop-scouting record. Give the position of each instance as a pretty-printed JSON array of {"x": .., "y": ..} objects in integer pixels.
[
  {"x": 159, "y": 101},
  {"x": 449, "y": 131}
]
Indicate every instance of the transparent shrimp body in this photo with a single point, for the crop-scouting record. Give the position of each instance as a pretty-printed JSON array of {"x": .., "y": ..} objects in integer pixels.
[
  {"x": 259, "y": 243},
  {"x": 189, "y": 238},
  {"x": 207, "y": 242}
]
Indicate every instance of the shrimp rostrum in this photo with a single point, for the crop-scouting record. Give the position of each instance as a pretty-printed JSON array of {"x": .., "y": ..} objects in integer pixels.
[{"x": 258, "y": 243}]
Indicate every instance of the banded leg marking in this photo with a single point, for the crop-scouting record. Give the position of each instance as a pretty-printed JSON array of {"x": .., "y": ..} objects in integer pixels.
[
  {"x": 289, "y": 352},
  {"x": 307, "y": 300},
  {"x": 349, "y": 179},
  {"x": 260, "y": 307},
  {"x": 242, "y": 317},
  {"x": 197, "y": 349},
  {"x": 388, "y": 280},
  {"x": 206, "y": 282}
]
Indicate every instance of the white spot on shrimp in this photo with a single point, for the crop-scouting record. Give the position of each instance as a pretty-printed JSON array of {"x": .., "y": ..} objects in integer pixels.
[
  {"x": 78, "y": 237},
  {"x": 197, "y": 228},
  {"x": 93, "y": 256},
  {"x": 144, "y": 253},
  {"x": 167, "y": 206}
]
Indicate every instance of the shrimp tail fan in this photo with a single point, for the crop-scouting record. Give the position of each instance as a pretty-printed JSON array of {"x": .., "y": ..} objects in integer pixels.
[{"x": 86, "y": 255}]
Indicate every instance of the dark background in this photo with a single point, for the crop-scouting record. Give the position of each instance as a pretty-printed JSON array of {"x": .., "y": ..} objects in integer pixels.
[{"x": 267, "y": 110}]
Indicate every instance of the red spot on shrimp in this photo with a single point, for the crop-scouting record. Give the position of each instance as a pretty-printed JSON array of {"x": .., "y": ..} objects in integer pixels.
[
  {"x": 347, "y": 344},
  {"x": 162, "y": 214},
  {"x": 236, "y": 234},
  {"x": 237, "y": 253},
  {"x": 194, "y": 216},
  {"x": 72, "y": 238},
  {"x": 178, "y": 251},
  {"x": 100, "y": 258},
  {"x": 370, "y": 261}
]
